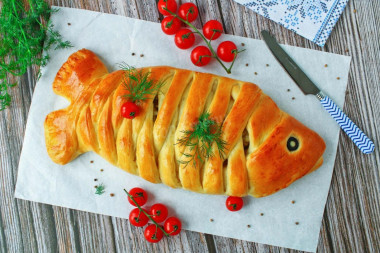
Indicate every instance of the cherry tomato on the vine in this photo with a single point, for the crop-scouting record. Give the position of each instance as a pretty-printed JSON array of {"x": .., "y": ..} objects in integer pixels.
[
  {"x": 212, "y": 29},
  {"x": 158, "y": 212},
  {"x": 188, "y": 12},
  {"x": 226, "y": 51},
  {"x": 139, "y": 195},
  {"x": 172, "y": 226},
  {"x": 138, "y": 218},
  {"x": 201, "y": 56},
  {"x": 153, "y": 234},
  {"x": 171, "y": 5},
  {"x": 129, "y": 110},
  {"x": 170, "y": 25},
  {"x": 184, "y": 39},
  {"x": 234, "y": 203}
]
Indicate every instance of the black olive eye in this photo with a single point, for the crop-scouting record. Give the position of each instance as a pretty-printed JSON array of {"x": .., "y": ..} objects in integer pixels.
[{"x": 292, "y": 144}]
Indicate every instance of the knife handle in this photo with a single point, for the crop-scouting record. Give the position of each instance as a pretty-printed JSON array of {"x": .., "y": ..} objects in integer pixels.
[{"x": 357, "y": 136}]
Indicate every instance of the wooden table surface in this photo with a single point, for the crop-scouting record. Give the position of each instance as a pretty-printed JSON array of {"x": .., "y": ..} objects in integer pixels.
[{"x": 351, "y": 221}]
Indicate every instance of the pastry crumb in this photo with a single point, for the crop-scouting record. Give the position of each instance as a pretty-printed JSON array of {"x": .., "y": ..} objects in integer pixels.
[
  {"x": 297, "y": 223},
  {"x": 246, "y": 64},
  {"x": 211, "y": 220},
  {"x": 112, "y": 194},
  {"x": 338, "y": 78},
  {"x": 141, "y": 55},
  {"x": 293, "y": 201},
  {"x": 91, "y": 161}
]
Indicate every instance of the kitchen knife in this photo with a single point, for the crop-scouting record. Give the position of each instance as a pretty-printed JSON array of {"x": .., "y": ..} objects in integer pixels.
[{"x": 308, "y": 87}]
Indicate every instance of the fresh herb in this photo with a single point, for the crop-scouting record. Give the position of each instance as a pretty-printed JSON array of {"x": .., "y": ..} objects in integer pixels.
[
  {"x": 24, "y": 26},
  {"x": 200, "y": 140},
  {"x": 100, "y": 189},
  {"x": 139, "y": 84}
]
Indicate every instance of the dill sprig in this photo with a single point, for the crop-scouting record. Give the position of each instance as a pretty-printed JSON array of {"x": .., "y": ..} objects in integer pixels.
[
  {"x": 100, "y": 189},
  {"x": 200, "y": 140},
  {"x": 139, "y": 84},
  {"x": 24, "y": 27}
]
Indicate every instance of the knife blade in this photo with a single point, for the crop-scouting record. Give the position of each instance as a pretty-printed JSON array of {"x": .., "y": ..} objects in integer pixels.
[{"x": 308, "y": 87}]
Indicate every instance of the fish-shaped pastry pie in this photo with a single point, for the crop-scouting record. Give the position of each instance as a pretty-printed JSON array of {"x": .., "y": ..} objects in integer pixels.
[{"x": 265, "y": 148}]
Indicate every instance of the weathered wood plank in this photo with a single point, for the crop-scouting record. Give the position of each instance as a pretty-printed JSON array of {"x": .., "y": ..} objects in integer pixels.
[{"x": 352, "y": 218}]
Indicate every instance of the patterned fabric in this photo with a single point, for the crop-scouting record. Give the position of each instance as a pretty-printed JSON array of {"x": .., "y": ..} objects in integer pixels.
[
  {"x": 356, "y": 135},
  {"x": 312, "y": 19}
]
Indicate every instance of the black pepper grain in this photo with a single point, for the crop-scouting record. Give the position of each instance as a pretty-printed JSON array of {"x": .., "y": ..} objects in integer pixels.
[
  {"x": 68, "y": 23},
  {"x": 326, "y": 65},
  {"x": 95, "y": 186},
  {"x": 211, "y": 220},
  {"x": 288, "y": 90},
  {"x": 255, "y": 73},
  {"x": 141, "y": 55},
  {"x": 261, "y": 214},
  {"x": 95, "y": 179},
  {"x": 338, "y": 78},
  {"x": 91, "y": 161},
  {"x": 101, "y": 170},
  {"x": 133, "y": 54},
  {"x": 112, "y": 194},
  {"x": 248, "y": 226},
  {"x": 243, "y": 44},
  {"x": 267, "y": 65},
  {"x": 293, "y": 202},
  {"x": 297, "y": 223},
  {"x": 246, "y": 64},
  {"x": 293, "y": 98}
]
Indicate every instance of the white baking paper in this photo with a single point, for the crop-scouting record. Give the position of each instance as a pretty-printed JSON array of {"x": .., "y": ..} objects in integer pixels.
[{"x": 114, "y": 39}]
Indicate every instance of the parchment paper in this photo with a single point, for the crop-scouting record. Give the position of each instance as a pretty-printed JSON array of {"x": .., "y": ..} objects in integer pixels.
[{"x": 114, "y": 38}]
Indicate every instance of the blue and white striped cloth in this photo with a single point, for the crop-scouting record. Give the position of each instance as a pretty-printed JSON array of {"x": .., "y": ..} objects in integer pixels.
[{"x": 312, "y": 19}]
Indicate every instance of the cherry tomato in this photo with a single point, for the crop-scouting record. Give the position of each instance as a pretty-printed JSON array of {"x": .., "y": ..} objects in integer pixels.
[
  {"x": 234, "y": 203},
  {"x": 184, "y": 39},
  {"x": 138, "y": 218},
  {"x": 171, "y": 5},
  {"x": 172, "y": 226},
  {"x": 212, "y": 29},
  {"x": 201, "y": 56},
  {"x": 170, "y": 25},
  {"x": 139, "y": 195},
  {"x": 158, "y": 212},
  {"x": 227, "y": 51},
  {"x": 129, "y": 110},
  {"x": 153, "y": 234},
  {"x": 188, "y": 12}
]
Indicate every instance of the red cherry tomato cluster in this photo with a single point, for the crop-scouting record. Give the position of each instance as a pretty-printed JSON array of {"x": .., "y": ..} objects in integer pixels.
[
  {"x": 185, "y": 38},
  {"x": 157, "y": 213}
]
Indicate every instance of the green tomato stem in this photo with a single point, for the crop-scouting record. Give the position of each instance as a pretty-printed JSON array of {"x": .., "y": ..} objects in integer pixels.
[{"x": 147, "y": 215}]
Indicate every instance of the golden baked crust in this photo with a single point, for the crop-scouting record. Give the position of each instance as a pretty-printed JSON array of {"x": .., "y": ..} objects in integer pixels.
[{"x": 258, "y": 160}]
